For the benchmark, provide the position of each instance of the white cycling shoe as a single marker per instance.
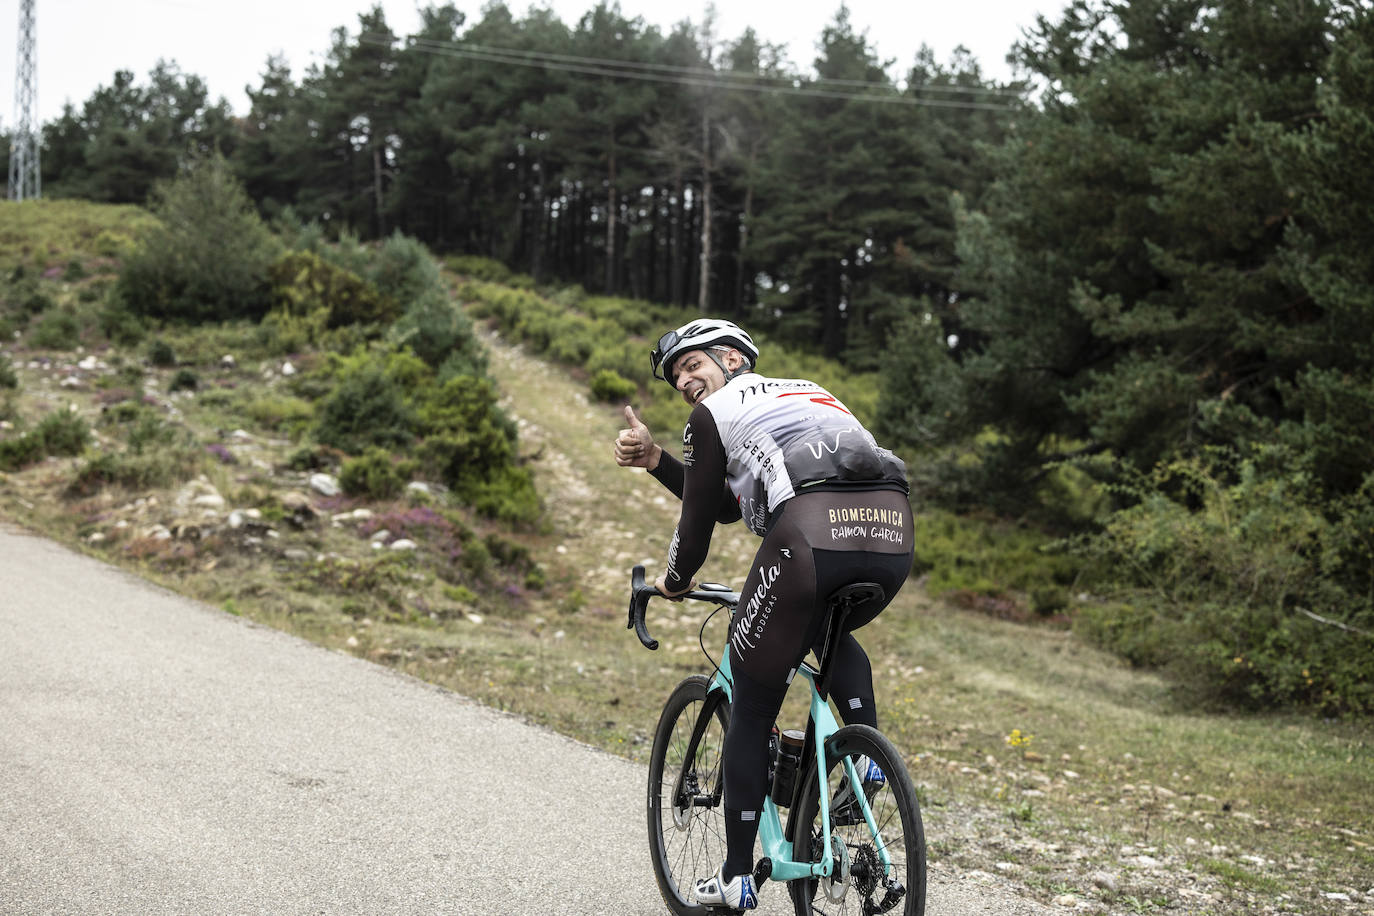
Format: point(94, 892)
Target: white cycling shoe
point(739, 893)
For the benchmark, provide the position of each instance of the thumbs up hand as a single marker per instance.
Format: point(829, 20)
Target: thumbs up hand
point(634, 447)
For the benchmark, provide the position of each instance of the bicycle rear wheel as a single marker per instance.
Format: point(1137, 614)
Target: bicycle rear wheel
point(860, 885)
point(686, 785)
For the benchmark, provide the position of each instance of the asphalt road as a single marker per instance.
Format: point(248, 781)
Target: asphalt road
point(160, 756)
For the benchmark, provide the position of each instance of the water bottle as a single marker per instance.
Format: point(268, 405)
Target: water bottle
point(789, 758)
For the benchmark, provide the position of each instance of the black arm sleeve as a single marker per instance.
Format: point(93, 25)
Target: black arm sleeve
point(670, 473)
point(703, 482)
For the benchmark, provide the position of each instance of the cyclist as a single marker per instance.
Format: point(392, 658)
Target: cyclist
point(831, 506)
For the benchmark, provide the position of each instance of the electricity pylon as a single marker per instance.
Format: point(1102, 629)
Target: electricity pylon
point(25, 178)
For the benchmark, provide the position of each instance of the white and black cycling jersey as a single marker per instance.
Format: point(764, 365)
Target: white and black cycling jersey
point(783, 435)
point(766, 440)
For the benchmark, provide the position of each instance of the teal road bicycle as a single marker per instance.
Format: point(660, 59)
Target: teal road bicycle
point(841, 852)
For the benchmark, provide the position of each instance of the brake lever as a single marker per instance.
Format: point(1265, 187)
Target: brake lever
point(640, 593)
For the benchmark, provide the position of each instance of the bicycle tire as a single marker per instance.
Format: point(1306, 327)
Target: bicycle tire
point(688, 842)
point(897, 813)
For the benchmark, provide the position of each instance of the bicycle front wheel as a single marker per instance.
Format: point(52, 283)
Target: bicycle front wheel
point(874, 871)
point(686, 786)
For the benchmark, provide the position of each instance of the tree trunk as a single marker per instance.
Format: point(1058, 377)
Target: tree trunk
point(377, 189)
point(704, 288)
point(611, 205)
point(675, 294)
point(742, 275)
point(832, 328)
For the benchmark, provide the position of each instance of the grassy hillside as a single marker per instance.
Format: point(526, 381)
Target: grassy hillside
point(1048, 764)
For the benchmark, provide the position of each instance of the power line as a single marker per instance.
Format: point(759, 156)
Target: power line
point(782, 80)
point(663, 73)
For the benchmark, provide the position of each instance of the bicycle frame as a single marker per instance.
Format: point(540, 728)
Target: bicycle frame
point(776, 847)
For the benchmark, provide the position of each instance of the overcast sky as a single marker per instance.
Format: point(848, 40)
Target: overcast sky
point(81, 43)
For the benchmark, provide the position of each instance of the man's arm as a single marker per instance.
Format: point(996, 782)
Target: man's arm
point(703, 480)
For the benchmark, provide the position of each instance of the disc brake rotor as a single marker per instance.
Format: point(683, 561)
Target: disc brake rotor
point(682, 800)
point(837, 885)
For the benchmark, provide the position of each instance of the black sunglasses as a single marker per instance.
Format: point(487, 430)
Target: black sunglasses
point(665, 345)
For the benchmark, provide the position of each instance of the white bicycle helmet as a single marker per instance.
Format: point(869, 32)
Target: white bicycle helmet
point(701, 334)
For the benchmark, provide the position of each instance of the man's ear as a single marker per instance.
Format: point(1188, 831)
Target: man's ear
point(734, 360)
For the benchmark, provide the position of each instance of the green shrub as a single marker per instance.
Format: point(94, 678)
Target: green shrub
point(366, 408)
point(972, 556)
point(160, 354)
point(478, 268)
point(57, 330)
point(59, 433)
point(207, 258)
point(629, 315)
point(33, 300)
point(508, 495)
point(460, 594)
point(112, 244)
point(609, 385)
point(312, 458)
point(441, 334)
point(627, 358)
point(19, 452)
point(163, 467)
point(304, 284)
point(1243, 581)
point(471, 445)
point(184, 380)
point(278, 413)
point(149, 433)
point(120, 325)
point(375, 474)
point(8, 377)
point(280, 332)
point(404, 271)
point(62, 432)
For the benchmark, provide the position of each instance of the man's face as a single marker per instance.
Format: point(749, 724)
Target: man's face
point(698, 375)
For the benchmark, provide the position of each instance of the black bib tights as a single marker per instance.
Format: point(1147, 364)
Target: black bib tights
point(822, 541)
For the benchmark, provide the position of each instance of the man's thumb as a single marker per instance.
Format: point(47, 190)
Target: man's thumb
point(630, 416)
